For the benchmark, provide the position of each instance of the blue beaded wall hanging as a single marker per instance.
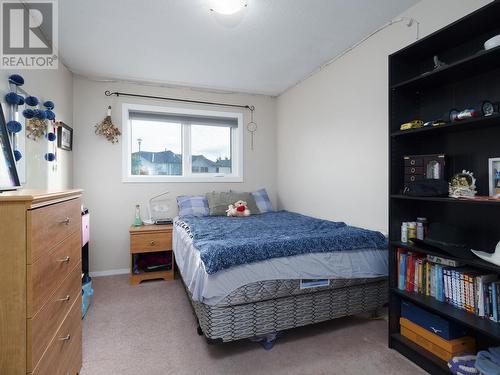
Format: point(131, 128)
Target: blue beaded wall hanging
point(39, 119)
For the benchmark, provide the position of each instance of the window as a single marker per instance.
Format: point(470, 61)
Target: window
point(168, 144)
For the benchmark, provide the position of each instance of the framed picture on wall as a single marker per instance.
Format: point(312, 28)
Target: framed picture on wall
point(64, 137)
point(494, 176)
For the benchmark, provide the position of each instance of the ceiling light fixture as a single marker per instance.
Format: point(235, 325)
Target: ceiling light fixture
point(228, 7)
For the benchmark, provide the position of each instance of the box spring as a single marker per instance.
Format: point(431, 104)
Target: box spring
point(277, 305)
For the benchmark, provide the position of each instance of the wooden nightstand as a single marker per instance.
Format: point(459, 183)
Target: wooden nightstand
point(150, 239)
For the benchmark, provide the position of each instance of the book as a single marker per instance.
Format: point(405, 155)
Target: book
point(482, 281)
point(444, 261)
point(494, 303)
point(402, 271)
point(446, 285)
point(465, 288)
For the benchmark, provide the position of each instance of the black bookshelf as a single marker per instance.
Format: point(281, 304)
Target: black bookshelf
point(417, 91)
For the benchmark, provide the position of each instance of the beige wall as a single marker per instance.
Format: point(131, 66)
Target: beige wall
point(332, 128)
point(55, 85)
point(98, 164)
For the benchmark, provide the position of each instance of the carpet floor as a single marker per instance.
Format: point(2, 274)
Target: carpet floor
point(150, 329)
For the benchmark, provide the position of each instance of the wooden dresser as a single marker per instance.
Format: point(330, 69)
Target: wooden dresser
point(40, 283)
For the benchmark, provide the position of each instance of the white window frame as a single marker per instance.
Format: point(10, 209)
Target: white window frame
point(187, 175)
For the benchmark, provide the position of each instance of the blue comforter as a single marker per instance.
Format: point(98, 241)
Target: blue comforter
point(225, 242)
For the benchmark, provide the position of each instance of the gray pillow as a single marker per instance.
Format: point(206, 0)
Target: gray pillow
point(218, 201)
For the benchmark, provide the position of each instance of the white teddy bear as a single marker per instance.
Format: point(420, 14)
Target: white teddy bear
point(238, 209)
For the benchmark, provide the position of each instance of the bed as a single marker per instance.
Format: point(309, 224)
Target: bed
point(264, 280)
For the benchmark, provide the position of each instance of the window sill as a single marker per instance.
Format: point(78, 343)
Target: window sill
point(180, 179)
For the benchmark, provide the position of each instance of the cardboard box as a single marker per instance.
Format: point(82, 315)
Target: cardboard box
point(444, 349)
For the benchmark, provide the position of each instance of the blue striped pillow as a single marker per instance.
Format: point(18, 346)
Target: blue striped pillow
point(263, 202)
point(192, 205)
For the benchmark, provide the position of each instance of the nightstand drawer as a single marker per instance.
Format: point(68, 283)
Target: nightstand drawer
point(149, 242)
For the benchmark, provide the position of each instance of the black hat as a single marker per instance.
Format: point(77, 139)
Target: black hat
point(447, 238)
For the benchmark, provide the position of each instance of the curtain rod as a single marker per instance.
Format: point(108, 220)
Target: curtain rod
point(117, 93)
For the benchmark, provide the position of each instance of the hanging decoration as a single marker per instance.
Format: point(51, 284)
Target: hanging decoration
point(252, 126)
point(14, 100)
point(38, 119)
point(51, 137)
point(107, 129)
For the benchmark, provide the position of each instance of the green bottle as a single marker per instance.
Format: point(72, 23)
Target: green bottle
point(137, 221)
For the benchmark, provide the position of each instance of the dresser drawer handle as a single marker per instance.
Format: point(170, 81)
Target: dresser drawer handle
point(65, 338)
point(413, 170)
point(64, 260)
point(66, 221)
point(65, 299)
point(152, 243)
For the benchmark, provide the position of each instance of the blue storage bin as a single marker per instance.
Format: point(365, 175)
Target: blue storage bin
point(87, 293)
point(434, 323)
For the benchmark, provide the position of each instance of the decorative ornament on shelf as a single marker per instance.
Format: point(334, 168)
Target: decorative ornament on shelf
point(438, 63)
point(463, 185)
point(107, 129)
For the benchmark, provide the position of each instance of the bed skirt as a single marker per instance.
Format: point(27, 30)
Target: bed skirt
point(229, 322)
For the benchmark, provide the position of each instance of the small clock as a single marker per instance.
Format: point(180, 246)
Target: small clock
point(487, 108)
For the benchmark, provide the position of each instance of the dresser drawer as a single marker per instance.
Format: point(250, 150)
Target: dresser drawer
point(65, 349)
point(51, 224)
point(46, 274)
point(43, 326)
point(148, 242)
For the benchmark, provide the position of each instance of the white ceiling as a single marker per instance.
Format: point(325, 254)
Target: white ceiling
point(266, 48)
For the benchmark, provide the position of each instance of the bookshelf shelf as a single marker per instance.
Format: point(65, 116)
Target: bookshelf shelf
point(471, 77)
point(482, 325)
point(465, 125)
point(419, 355)
point(483, 60)
point(448, 200)
point(476, 262)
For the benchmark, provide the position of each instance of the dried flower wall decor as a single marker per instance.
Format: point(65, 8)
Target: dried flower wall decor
point(36, 128)
point(107, 129)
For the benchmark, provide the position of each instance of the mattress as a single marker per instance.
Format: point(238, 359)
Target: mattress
point(269, 278)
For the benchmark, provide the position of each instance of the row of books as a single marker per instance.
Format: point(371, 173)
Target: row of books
point(448, 281)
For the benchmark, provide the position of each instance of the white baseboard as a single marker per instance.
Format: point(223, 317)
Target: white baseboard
point(120, 271)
